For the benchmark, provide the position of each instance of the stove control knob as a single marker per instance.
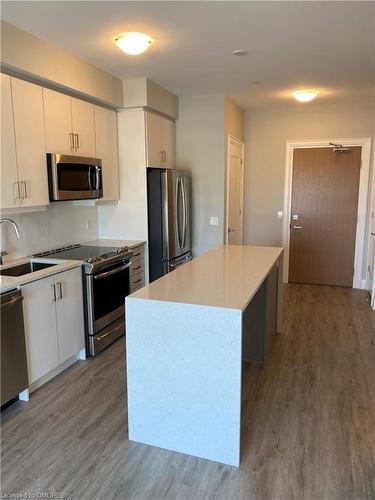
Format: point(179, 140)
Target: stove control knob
point(89, 260)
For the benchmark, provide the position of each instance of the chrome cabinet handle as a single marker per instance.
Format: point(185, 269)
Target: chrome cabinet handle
point(71, 138)
point(163, 156)
point(59, 287)
point(76, 137)
point(25, 189)
point(17, 183)
point(53, 298)
point(297, 227)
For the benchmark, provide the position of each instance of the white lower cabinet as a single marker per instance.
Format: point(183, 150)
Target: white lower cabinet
point(54, 324)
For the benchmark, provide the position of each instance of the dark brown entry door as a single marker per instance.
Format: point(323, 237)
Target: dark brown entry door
point(324, 216)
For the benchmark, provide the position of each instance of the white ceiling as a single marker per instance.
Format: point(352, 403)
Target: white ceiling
point(325, 45)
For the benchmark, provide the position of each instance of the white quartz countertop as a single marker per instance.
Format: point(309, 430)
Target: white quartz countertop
point(115, 243)
point(227, 276)
point(10, 282)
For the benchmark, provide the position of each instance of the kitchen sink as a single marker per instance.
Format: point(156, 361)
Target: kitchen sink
point(26, 268)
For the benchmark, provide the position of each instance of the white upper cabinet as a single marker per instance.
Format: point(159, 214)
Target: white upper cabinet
point(167, 141)
point(160, 133)
point(106, 150)
point(30, 142)
point(9, 175)
point(58, 122)
point(83, 128)
point(153, 140)
point(69, 125)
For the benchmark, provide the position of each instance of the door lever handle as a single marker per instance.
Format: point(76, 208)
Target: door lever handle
point(297, 227)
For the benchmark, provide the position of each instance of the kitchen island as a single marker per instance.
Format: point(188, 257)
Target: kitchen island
point(187, 335)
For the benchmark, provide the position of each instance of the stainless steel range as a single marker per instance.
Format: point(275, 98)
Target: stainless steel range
point(106, 284)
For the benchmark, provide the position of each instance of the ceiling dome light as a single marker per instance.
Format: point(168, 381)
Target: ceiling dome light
point(239, 52)
point(133, 43)
point(305, 95)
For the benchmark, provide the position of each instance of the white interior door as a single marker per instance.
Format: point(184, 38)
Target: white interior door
point(235, 179)
point(371, 260)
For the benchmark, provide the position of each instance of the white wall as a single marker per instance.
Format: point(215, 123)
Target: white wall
point(60, 224)
point(266, 133)
point(200, 149)
point(25, 54)
point(127, 219)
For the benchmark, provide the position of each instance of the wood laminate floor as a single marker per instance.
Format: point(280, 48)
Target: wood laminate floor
point(308, 421)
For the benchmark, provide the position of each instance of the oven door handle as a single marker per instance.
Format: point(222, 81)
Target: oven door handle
point(114, 271)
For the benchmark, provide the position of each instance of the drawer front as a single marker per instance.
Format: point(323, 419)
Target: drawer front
point(138, 253)
point(138, 266)
point(137, 280)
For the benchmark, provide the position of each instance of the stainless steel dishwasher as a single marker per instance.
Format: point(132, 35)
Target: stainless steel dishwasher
point(14, 376)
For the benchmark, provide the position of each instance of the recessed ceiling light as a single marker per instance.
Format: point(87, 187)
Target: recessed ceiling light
point(240, 52)
point(133, 43)
point(305, 95)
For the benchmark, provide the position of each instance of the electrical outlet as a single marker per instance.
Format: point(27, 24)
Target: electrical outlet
point(214, 221)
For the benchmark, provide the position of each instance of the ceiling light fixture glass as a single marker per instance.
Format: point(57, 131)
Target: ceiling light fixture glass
point(133, 43)
point(305, 95)
point(239, 52)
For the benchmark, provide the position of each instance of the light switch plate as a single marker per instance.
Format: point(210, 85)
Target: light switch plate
point(214, 221)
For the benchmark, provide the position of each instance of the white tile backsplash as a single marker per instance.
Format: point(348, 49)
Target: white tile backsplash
point(60, 224)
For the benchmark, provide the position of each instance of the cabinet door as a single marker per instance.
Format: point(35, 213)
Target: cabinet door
point(40, 328)
point(106, 150)
point(69, 311)
point(168, 140)
point(58, 122)
point(153, 140)
point(30, 142)
point(83, 128)
point(9, 175)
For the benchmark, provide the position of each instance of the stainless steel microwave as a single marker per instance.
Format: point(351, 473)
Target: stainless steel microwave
point(74, 177)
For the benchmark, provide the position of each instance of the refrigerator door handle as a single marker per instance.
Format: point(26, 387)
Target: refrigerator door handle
point(178, 193)
point(183, 188)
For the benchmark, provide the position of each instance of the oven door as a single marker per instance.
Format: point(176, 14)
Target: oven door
point(106, 291)
point(74, 177)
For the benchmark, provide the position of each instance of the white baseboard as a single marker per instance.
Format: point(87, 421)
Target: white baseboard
point(363, 284)
point(53, 373)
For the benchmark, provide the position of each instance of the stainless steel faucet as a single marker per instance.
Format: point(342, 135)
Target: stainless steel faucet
point(15, 227)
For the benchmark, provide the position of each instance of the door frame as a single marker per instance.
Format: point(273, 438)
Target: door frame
point(361, 240)
point(235, 142)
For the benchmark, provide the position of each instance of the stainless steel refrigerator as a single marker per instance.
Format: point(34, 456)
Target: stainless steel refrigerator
point(169, 220)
